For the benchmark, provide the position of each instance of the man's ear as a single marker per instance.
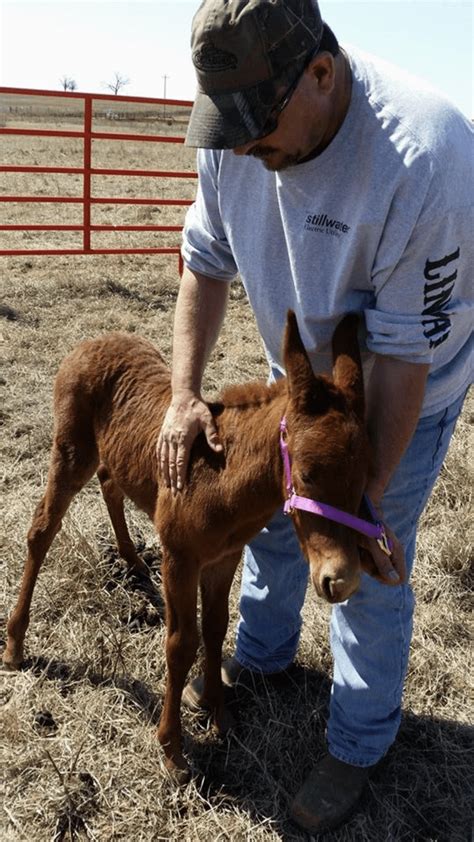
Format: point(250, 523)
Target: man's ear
point(322, 69)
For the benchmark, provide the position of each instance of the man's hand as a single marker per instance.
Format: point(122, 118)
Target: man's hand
point(185, 418)
point(388, 569)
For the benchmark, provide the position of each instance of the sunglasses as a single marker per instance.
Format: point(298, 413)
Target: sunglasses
point(272, 121)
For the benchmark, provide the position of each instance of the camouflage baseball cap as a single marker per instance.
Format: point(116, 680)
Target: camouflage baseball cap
point(246, 52)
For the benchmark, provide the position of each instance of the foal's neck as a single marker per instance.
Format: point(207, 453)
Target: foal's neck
point(248, 426)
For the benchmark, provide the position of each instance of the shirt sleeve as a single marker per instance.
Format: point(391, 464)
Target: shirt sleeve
point(421, 279)
point(205, 248)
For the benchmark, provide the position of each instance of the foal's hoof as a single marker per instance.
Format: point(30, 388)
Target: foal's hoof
point(179, 771)
point(11, 664)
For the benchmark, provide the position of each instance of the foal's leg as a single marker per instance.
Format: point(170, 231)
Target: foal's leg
point(72, 465)
point(114, 497)
point(216, 581)
point(180, 581)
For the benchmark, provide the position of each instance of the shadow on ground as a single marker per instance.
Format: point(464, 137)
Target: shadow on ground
point(421, 792)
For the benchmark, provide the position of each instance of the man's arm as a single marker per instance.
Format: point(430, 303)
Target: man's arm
point(395, 396)
point(200, 310)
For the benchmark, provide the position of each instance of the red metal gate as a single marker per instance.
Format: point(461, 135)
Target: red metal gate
point(87, 170)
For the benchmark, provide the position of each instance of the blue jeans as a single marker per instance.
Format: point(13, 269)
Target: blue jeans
point(370, 632)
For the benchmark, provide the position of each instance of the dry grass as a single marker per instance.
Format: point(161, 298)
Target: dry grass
point(79, 750)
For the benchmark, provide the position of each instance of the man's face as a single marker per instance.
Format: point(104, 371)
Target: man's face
point(305, 123)
point(278, 148)
point(262, 148)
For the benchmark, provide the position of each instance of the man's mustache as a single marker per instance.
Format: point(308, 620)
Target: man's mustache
point(260, 151)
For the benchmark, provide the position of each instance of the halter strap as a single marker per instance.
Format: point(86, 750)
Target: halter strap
point(374, 529)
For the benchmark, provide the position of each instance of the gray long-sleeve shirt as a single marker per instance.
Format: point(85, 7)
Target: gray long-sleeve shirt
point(380, 223)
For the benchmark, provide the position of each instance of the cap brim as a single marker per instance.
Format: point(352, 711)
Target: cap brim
point(229, 120)
point(211, 127)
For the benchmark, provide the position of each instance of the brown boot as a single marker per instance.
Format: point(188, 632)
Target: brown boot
point(232, 673)
point(234, 677)
point(329, 794)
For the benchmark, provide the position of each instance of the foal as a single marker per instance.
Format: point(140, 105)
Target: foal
point(110, 398)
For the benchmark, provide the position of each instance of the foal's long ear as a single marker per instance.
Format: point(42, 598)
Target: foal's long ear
point(347, 365)
point(303, 386)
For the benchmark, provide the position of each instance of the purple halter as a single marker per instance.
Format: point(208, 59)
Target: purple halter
point(376, 529)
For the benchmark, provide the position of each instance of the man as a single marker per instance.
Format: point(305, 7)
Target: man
point(330, 183)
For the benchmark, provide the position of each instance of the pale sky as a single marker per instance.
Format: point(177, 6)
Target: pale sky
point(145, 41)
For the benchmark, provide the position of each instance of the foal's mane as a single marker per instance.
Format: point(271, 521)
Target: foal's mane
point(246, 395)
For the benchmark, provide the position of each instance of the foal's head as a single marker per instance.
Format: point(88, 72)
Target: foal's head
point(329, 451)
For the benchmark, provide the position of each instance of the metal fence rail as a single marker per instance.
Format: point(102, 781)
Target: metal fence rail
point(87, 171)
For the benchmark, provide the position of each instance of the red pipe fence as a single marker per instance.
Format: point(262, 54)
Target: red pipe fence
point(87, 171)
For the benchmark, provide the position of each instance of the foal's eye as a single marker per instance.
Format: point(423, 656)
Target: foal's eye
point(306, 479)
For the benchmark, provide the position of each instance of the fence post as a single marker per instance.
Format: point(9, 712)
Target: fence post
point(87, 172)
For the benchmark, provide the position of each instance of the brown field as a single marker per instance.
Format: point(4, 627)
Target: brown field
point(79, 752)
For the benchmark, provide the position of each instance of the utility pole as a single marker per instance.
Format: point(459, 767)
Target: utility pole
point(164, 93)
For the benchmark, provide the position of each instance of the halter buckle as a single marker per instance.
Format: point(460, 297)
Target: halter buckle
point(288, 509)
point(384, 542)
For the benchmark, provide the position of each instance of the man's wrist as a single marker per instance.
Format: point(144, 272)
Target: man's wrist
point(184, 393)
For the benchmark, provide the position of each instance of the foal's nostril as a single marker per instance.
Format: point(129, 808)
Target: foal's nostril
point(334, 589)
point(326, 586)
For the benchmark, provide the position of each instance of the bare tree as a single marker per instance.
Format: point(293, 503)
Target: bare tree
point(68, 84)
point(118, 83)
